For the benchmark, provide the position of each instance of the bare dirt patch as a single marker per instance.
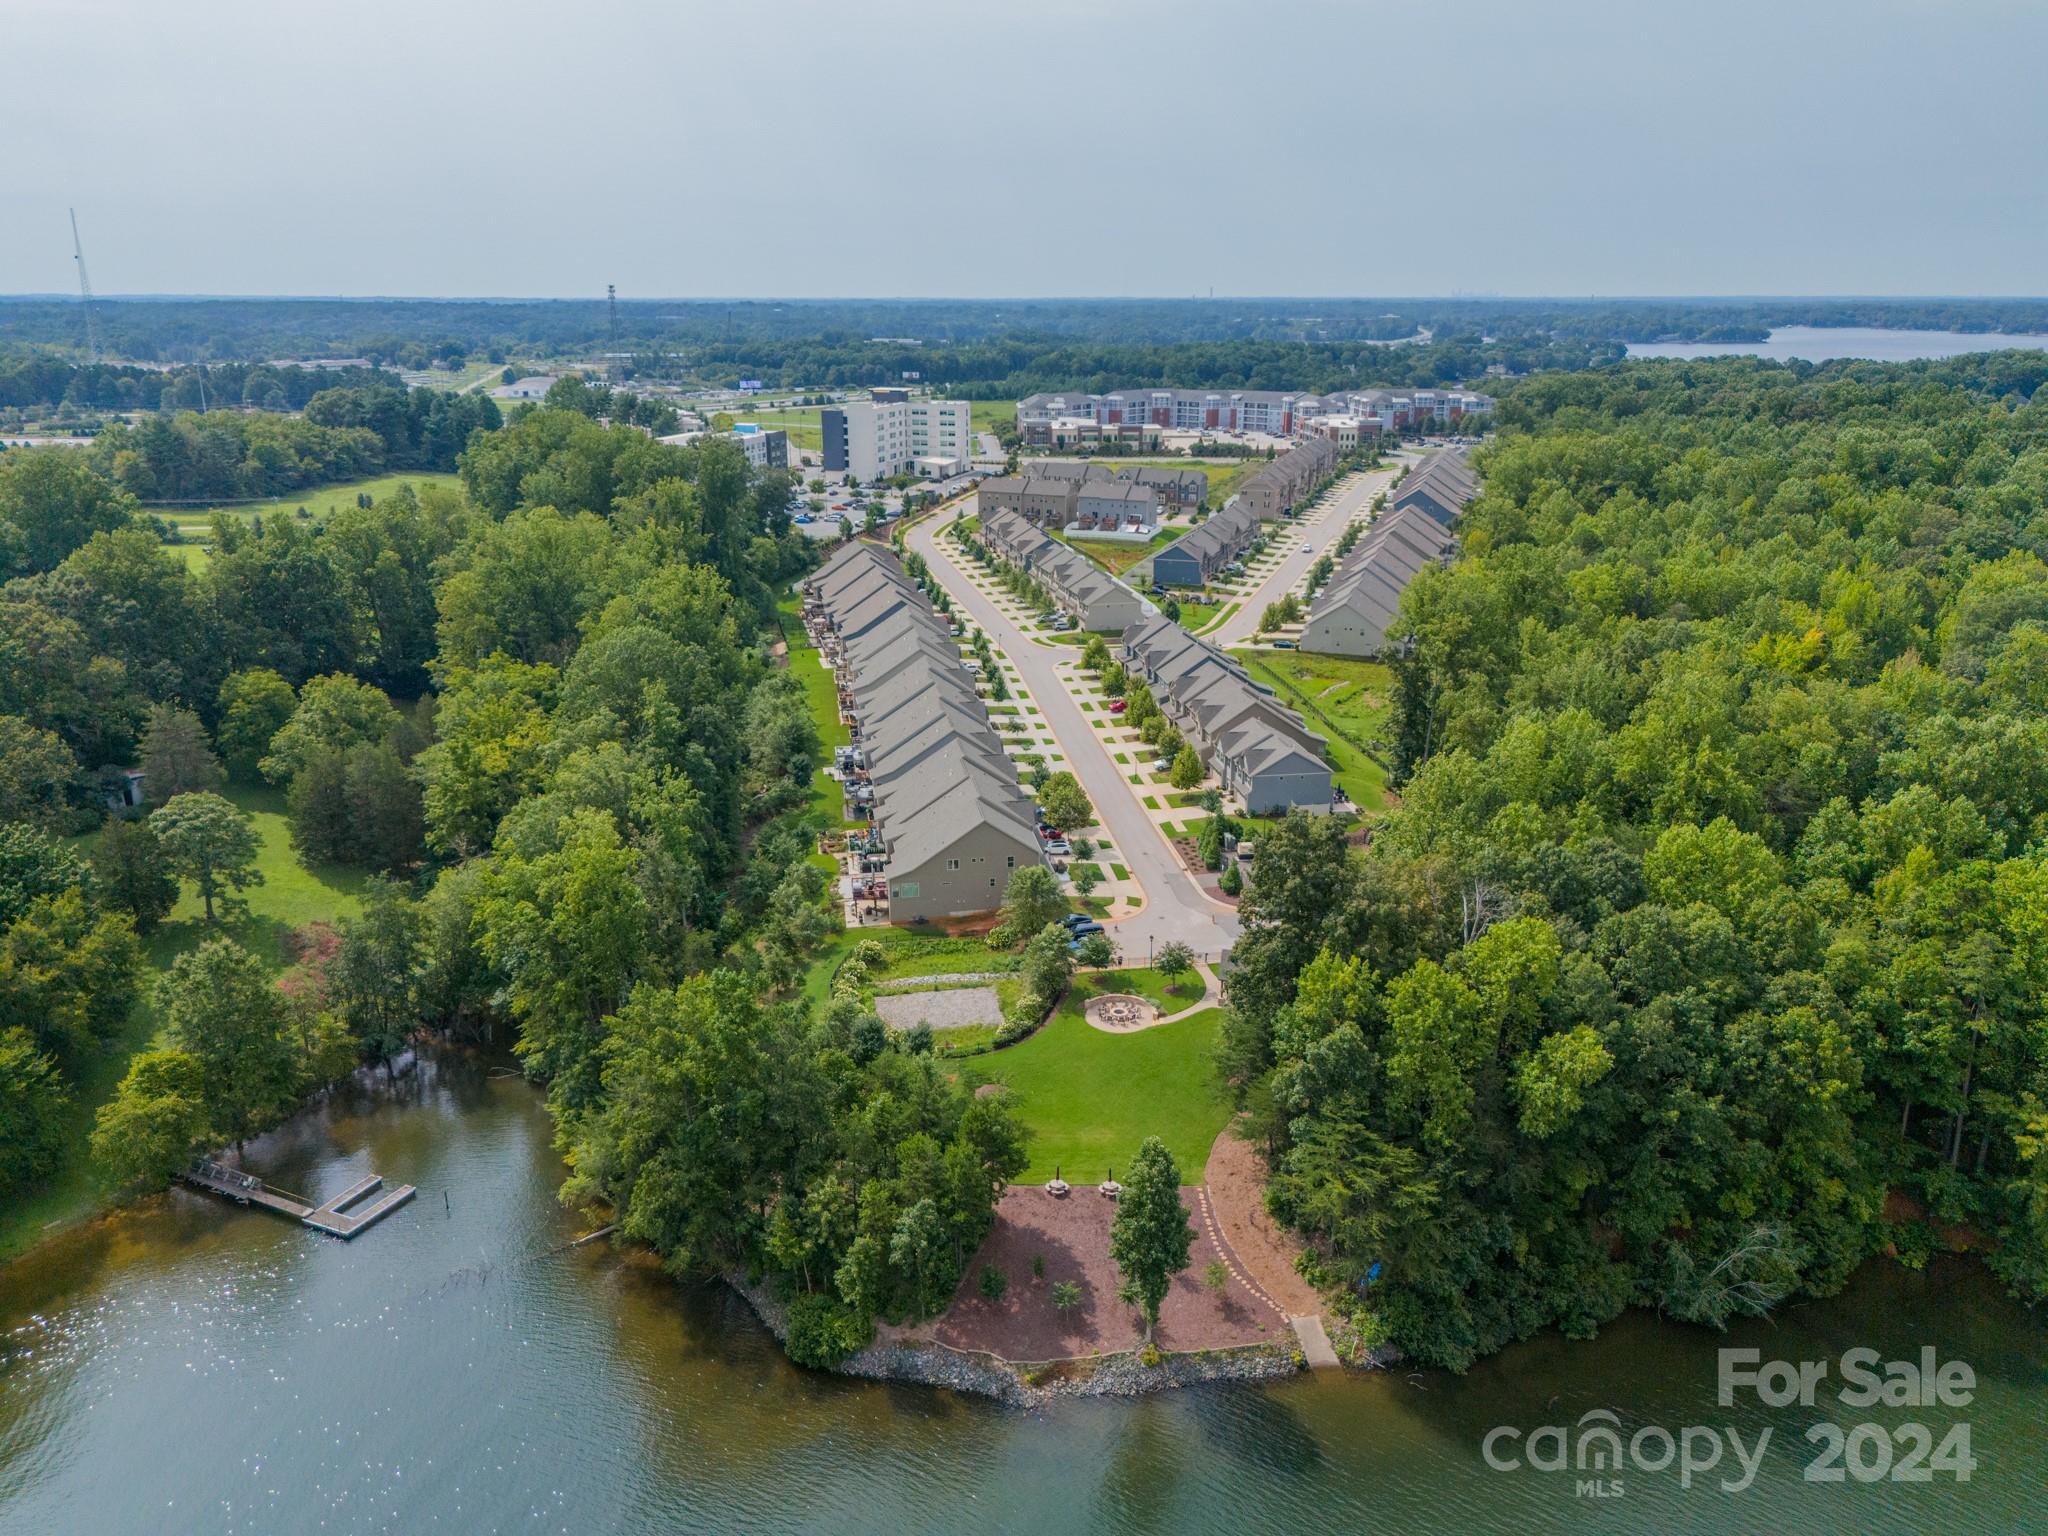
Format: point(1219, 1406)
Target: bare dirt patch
point(1072, 1236)
point(1236, 1181)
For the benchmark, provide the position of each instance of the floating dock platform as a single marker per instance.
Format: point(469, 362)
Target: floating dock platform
point(348, 1213)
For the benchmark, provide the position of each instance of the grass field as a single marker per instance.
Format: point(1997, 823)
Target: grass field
point(1339, 691)
point(800, 422)
point(194, 524)
point(291, 896)
point(990, 414)
point(1089, 1098)
point(1117, 555)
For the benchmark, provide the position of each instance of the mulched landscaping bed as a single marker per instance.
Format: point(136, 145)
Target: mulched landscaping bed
point(1073, 1236)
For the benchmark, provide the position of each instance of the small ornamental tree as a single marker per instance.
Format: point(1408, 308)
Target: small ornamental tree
point(1187, 769)
point(1150, 1238)
point(1173, 961)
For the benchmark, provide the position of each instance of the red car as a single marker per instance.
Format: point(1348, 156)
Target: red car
point(1118, 706)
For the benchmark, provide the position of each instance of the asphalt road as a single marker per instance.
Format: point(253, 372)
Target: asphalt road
point(1174, 907)
point(1321, 531)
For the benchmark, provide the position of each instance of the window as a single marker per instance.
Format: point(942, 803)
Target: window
point(1010, 862)
point(952, 863)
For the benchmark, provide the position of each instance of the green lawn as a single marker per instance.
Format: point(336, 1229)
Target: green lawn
point(1334, 693)
point(1118, 555)
point(1089, 1098)
point(821, 692)
point(1142, 981)
point(989, 414)
point(800, 422)
point(291, 896)
point(194, 523)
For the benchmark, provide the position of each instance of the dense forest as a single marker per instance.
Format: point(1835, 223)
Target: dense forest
point(1706, 954)
point(544, 712)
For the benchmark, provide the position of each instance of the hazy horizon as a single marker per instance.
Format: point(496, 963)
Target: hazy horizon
point(905, 147)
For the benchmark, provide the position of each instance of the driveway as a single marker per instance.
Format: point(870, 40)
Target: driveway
point(1321, 529)
point(1174, 907)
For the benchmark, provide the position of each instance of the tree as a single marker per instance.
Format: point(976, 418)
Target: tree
point(219, 1007)
point(1231, 882)
point(1151, 1236)
point(1173, 961)
point(1086, 878)
point(210, 843)
point(1187, 769)
point(33, 1105)
point(1097, 952)
point(1066, 1295)
point(176, 757)
point(131, 870)
point(37, 774)
point(1065, 802)
point(51, 502)
point(254, 706)
point(373, 982)
point(156, 1119)
point(1031, 900)
point(1049, 963)
point(335, 713)
point(493, 732)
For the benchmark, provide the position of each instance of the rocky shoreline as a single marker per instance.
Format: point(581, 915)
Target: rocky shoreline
point(1027, 1386)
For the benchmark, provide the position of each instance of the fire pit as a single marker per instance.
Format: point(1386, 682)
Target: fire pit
point(1119, 1013)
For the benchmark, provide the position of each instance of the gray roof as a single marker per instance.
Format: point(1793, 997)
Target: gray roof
point(936, 765)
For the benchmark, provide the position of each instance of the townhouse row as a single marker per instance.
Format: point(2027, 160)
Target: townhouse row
point(949, 821)
point(1079, 588)
point(1256, 746)
point(1269, 493)
point(1357, 611)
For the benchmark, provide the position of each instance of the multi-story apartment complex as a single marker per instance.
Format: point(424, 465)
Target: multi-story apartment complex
point(889, 435)
point(1279, 413)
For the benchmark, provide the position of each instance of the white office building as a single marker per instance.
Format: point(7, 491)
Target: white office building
point(877, 439)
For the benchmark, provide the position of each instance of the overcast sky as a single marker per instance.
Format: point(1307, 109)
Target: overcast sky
point(1026, 147)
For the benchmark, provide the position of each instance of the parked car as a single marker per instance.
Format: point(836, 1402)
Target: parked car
point(1118, 706)
point(1075, 919)
point(1081, 930)
point(1059, 848)
point(1283, 645)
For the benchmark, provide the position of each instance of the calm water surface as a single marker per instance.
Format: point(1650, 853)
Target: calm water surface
point(191, 1367)
point(1820, 343)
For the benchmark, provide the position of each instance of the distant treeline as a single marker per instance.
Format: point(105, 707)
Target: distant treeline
point(40, 377)
point(697, 333)
point(344, 434)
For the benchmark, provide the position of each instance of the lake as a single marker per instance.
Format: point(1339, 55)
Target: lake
point(188, 1366)
point(1819, 344)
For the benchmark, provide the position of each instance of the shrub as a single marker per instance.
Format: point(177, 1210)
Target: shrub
point(1066, 1295)
point(994, 1283)
point(824, 1330)
point(1232, 883)
point(1038, 1266)
point(1217, 1276)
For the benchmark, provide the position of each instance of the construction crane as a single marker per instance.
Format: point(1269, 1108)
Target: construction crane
point(92, 326)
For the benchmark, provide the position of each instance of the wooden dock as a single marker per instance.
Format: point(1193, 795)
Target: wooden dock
point(344, 1216)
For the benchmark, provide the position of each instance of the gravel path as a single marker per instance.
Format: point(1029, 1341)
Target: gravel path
point(956, 1008)
point(905, 983)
